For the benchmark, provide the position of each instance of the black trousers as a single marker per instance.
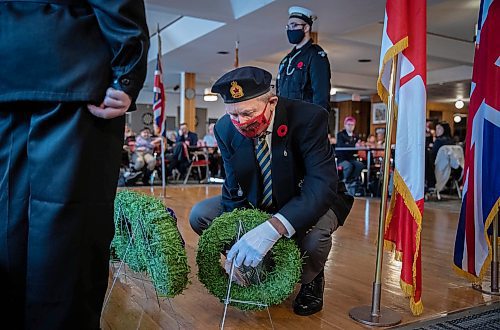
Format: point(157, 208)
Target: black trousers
point(59, 168)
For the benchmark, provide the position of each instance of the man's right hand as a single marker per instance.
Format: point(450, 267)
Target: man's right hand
point(115, 104)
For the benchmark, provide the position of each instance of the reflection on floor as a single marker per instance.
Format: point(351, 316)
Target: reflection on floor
point(349, 276)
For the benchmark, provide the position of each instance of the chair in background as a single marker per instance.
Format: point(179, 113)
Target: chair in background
point(448, 168)
point(199, 160)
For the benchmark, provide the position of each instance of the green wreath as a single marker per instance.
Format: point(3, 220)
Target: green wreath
point(156, 246)
point(279, 282)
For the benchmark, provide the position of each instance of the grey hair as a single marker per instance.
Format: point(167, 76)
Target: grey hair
point(265, 97)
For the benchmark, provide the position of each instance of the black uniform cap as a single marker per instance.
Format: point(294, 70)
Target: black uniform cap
point(243, 84)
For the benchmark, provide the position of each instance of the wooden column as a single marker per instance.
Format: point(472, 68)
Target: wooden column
point(189, 100)
point(314, 37)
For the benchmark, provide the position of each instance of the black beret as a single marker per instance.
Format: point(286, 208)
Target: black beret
point(243, 84)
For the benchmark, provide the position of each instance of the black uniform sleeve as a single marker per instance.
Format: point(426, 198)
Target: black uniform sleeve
point(320, 79)
point(123, 25)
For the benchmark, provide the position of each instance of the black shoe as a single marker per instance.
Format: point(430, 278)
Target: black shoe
point(310, 297)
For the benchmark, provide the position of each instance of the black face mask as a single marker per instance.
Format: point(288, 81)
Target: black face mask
point(295, 36)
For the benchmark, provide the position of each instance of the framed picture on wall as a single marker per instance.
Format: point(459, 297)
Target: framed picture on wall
point(378, 113)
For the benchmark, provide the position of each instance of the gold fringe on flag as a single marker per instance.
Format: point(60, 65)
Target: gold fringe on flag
point(401, 189)
point(489, 220)
point(389, 55)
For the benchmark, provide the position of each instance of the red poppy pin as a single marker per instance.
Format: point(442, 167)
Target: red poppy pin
point(282, 130)
point(300, 65)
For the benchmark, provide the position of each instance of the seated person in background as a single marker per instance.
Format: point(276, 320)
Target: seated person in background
point(127, 176)
point(144, 153)
point(429, 133)
point(129, 133)
point(128, 145)
point(179, 158)
point(209, 138)
point(371, 142)
point(443, 137)
point(380, 137)
point(346, 138)
point(213, 154)
point(186, 136)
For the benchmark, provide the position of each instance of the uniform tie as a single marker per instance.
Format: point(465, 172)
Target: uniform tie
point(264, 158)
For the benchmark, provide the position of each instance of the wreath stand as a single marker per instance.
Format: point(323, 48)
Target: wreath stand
point(228, 300)
point(142, 278)
point(137, 233)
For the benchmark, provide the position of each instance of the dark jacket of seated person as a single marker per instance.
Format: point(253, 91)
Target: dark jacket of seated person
point(443, 133)
point(345, 140)
point(187, 136)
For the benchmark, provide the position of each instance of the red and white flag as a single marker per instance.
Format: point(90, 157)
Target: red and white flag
point(404, 34)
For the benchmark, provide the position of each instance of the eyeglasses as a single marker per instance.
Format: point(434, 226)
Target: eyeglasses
point(293, 26)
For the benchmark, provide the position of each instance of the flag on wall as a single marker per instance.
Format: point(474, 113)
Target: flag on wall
point(404, 35)
point(481, 194)
point(159, 98)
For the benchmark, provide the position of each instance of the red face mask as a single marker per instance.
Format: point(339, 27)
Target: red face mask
point(252, 127)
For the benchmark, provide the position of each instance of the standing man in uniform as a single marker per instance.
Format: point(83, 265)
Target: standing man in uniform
point(69, 71)
point(304, 74)
point(277, 158)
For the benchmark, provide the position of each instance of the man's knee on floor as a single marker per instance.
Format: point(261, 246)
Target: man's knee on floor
point(195, 218)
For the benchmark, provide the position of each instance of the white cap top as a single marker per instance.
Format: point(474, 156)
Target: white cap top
point(300, 10)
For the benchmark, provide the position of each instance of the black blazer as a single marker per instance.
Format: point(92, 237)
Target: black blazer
point(71, 50)
point(192, 138)
point(303, 165)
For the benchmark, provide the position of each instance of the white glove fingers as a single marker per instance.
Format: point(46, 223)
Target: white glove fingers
point(233, 251)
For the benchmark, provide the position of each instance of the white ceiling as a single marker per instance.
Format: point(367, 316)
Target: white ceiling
point(193, 31)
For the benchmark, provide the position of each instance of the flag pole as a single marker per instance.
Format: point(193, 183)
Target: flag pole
point(494, 261)
point(163, 172)
point(375, 315)
point(494, 290)
point(236, 54)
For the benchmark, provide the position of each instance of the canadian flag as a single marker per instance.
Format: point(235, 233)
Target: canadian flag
point(404, 35)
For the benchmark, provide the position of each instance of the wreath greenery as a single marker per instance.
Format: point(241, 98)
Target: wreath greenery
point(156, 246)
point(279, 282)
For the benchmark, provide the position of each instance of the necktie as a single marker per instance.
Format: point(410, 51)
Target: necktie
point(264, 158)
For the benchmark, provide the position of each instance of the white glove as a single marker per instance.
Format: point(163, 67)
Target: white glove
point(254, 245)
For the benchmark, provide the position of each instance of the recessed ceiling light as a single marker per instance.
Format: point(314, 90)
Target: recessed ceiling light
point(223, 52)
point(364, 60)
point(459, 104)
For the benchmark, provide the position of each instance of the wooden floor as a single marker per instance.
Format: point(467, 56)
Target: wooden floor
point(349, 276)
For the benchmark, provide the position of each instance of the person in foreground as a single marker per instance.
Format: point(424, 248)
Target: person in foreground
point(67, 78)
point(277, 158)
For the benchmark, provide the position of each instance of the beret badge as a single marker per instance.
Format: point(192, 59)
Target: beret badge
point(236, 90)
